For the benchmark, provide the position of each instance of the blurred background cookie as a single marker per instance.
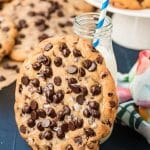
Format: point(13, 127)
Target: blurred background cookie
point(8, 72)
point(37, 20)
point(8, 34)
point(131, 4)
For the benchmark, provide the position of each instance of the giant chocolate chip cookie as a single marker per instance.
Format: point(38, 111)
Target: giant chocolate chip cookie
point(65, 96)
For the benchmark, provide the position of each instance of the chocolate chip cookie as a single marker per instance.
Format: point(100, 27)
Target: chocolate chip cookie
point(65, 96)
point(8, 72)
point(7, 36)
point(4, 1)
point(40, 19)
point(131, 4)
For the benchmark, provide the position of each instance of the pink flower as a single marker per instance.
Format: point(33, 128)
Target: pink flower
point(143, 61)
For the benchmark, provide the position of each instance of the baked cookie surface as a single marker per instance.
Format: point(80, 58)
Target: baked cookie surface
point(40, 19)
point(65, 96)
point(131, 4)
point(8, 34)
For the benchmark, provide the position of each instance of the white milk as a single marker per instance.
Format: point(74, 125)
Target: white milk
point(109, 59)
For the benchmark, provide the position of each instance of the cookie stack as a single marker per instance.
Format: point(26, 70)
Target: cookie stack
point(24, 23)
point(65, 96)
point(131, 4)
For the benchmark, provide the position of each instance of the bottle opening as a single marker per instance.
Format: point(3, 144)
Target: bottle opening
point(85, 26)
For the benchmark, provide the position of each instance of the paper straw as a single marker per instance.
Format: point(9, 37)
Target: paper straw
point(103, 7)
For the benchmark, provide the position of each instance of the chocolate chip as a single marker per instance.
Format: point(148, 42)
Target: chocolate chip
point(93, 105)
point(110, 94)
point(104, 75)
point(67, 110)
point(39, 22)
point(46, 73)
point(89, 132)
point(23, 129)
point(25, 80)
point(77, 53)
point(78, 122)
point(2, 78)
point(34, 105)
point(31, 123)
point(53, 124)
point(75, 88)
point(60, 115)
point(87, 63)
point(43, 27)
point(65, 50)
point(82, 72)
point(112, 104)
point(41, 113)
point(84, 90)
point(46, 123)
point(95, 90)
point(5, 29)
point(60, 13)
point(93, 67)
point(95, 113)
point(69, 147)
point(53, 7)
point(99, 59)
point(35, 82)
point(39, 90)
point(34, 115)
point(41, 136)
point(107, 122)
point(69, 24)
point(58, 61)
point(58, 96)
point(57, 81)
point(48, 47)
point(22, 24)
point(48, 135)
point(51, 112)
point(49, 90)
point(60, 134)
point(26, 109)
point(43, 37)
point(31, 13)
point(20, 88)
point(78, 140)
point(41, 13)
point(72, 81)
point(72, 69)
point(64, 127)
point(36, 66)
point(17, 41)
point(86, 113)
point(44, 60)
point(80, 99)
point(39, 126)
point(71, 125)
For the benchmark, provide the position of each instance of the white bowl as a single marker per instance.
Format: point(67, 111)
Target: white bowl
point(131, 28)
point(131, 32)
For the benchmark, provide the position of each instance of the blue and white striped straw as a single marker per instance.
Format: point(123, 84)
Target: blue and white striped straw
point(103, 8)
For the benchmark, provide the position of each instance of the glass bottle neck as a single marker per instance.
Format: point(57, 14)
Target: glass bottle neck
point(85, 27)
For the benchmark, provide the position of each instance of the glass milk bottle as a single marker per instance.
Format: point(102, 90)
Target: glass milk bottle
point(85, 27)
